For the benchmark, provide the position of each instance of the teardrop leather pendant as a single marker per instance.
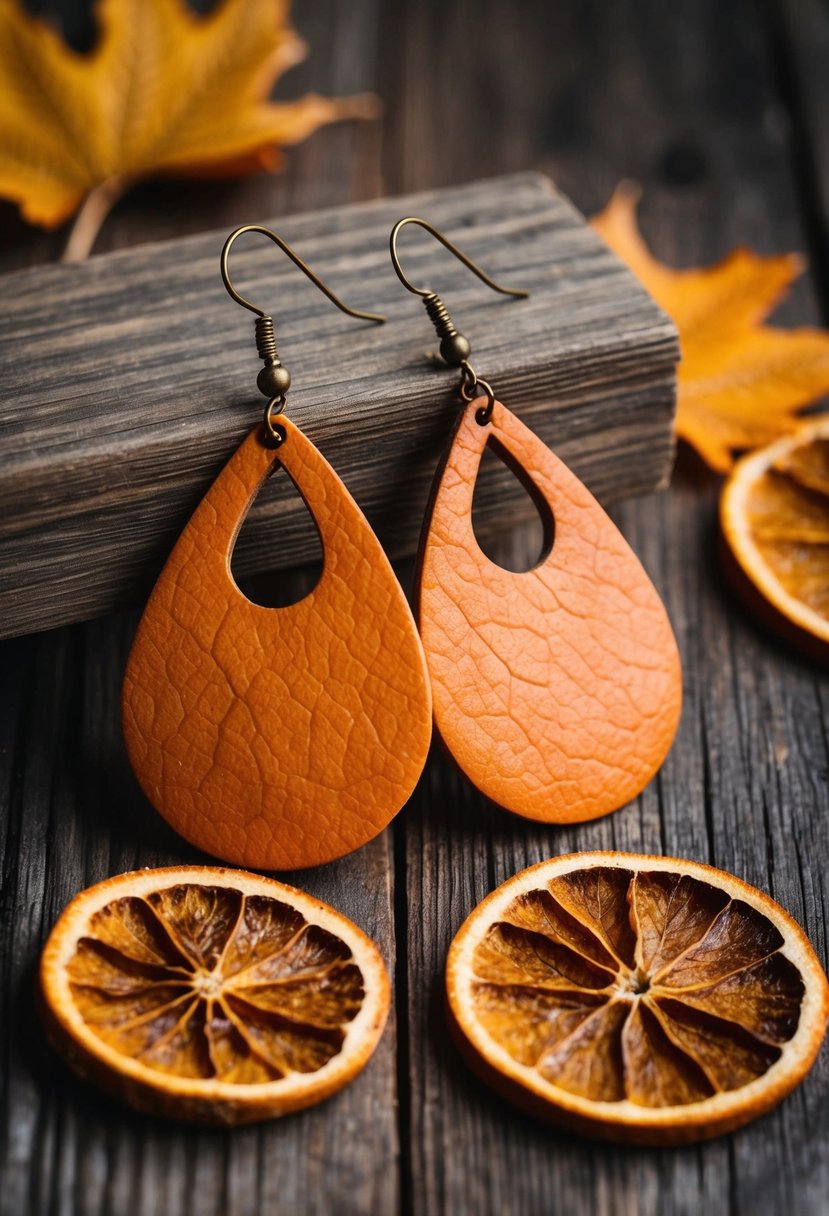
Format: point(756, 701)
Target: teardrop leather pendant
point(557, 690)
point(277, 737)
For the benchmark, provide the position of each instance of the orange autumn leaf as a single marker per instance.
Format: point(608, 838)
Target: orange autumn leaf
point(741, 383)
point(165, 91)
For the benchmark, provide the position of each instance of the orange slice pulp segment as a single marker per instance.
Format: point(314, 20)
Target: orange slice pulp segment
point(636, 998)
point(210, 994)
point(774, 518)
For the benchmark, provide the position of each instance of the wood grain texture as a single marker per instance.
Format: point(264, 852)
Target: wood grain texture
point(77, 816)
point(72, 814)
point(801, 44)
point(744, 787)
point(129, 380)
point(687, 98)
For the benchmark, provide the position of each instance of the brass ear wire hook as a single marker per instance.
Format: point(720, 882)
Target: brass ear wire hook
point(298, 262)
point(454, 347)
point(274, 380)
point(424, 292)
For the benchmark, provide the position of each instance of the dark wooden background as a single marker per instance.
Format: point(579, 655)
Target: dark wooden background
point(719, 109)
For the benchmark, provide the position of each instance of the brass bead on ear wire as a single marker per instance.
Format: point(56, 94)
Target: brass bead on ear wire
point(455, 349)
point(274, 380)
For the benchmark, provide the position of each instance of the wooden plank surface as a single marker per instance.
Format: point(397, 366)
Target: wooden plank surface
point(744, 786)
point(72, 815)
point(687, 98)
point(801, 43)
point(146, 384)
point(75, 817)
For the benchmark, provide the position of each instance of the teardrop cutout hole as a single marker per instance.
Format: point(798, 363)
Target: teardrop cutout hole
point(525, 545)
point(281, 531)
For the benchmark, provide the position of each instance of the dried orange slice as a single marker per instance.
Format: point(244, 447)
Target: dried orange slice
point(774, 517)
point(210, 994)
point(635, 998)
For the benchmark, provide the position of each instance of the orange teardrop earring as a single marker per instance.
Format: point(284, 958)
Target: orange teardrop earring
point(285, 737)
point(557, 690)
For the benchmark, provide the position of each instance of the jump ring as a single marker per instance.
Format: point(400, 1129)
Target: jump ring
point(469, 380)
point(471, 387)
point(276, 433)
point(484, 414)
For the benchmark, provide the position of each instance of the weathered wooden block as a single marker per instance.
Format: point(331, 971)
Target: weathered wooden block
point(128, 381)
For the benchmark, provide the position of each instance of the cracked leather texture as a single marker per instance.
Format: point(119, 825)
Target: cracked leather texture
point(277, 738)
point(557, 690)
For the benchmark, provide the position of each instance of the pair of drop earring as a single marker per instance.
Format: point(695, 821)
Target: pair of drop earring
point(279, 738)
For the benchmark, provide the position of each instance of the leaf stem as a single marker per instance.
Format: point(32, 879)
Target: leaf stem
point(90, 218)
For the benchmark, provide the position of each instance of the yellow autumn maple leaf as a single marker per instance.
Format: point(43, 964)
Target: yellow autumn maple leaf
point(164, 91)
point(740, 383)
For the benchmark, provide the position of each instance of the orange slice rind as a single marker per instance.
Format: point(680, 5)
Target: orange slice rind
point(633, 998)
point(211, 995)
point(774, 521)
